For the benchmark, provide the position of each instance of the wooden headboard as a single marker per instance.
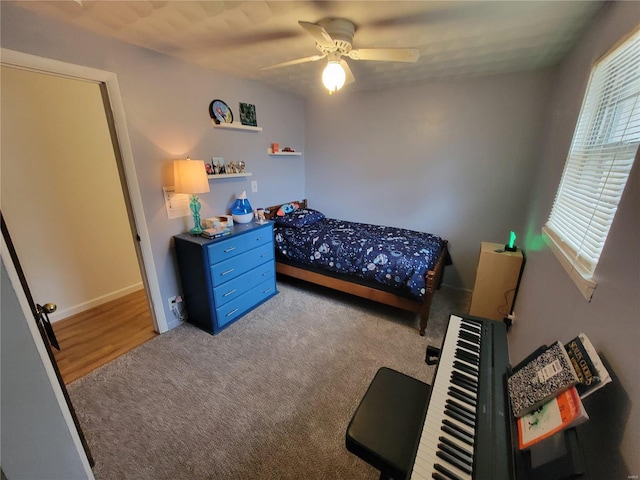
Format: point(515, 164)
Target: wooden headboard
point(270, 212)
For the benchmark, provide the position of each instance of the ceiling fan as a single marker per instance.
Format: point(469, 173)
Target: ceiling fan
point(334, 39)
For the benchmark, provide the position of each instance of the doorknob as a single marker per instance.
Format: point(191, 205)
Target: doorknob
point(48, 307)
point(43, 312)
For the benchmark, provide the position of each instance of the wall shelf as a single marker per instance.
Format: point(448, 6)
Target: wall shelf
point(228, 175)
point(283, 154)
point(237, 126)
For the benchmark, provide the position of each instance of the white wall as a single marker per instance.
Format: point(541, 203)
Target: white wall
point(549, 306)
point(61, 193)
point(454, 158)
point(166, 104)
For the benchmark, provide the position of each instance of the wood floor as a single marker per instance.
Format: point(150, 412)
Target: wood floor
point(97, 336)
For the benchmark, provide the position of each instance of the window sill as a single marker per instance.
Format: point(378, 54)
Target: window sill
point(585, 285)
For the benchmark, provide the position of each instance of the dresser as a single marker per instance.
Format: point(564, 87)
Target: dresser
point(224, 278)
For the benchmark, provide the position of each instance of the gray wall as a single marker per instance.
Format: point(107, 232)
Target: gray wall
point(549, 306)
point(166, 105)
point(454, 158)
point(476, 144)
point(29, 405)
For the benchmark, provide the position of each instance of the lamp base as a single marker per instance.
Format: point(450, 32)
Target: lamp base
point(196, 230)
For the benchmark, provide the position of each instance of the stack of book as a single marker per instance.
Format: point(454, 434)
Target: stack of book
point(216, 232)
point(546, 391)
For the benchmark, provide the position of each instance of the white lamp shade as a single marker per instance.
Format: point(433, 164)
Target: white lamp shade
point(333, 76)
point(190, 176)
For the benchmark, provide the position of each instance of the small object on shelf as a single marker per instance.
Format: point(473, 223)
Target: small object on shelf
point(241, 166)
point(275, 147)
point(248, 114)
point(220, 112)
point(288, 150)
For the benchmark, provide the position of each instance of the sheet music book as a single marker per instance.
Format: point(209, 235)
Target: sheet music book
point(564, 411)
point(592, 374)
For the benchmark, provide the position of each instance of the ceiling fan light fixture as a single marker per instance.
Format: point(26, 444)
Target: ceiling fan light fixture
point(333, 76)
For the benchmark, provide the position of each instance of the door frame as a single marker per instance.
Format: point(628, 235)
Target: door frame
point(12, 58)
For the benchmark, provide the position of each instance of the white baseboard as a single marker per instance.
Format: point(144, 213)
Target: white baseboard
point(81, 307)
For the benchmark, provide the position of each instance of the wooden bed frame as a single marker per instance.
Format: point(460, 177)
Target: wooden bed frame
point(433, 280)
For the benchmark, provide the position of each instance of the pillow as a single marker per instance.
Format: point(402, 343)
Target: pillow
point(287, 208)
point(299, 218)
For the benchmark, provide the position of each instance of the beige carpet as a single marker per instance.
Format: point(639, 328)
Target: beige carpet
point(268, 398)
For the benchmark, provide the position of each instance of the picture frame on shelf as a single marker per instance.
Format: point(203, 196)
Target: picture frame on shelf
point(220, 112)
point(248, 114)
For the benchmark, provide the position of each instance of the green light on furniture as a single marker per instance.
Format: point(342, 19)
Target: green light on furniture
point(511, 246)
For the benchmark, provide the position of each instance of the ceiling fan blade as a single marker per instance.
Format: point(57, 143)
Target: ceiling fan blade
point(312, 58)
point(350, 78)
point(319, 34)
point(385, 54)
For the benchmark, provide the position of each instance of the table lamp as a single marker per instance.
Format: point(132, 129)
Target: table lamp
point(190, 177)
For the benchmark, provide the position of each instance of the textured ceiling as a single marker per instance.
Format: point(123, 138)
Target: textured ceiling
point(454, 38)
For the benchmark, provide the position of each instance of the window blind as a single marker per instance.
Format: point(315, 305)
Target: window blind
point(600, 158)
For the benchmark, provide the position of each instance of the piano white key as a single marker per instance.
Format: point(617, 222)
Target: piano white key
point(428, 445)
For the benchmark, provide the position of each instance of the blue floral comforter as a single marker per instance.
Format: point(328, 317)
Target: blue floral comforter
point(394, 257)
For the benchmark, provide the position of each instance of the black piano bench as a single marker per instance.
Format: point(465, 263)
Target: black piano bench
point(387, 424)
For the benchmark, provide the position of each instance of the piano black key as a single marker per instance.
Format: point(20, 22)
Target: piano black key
point(437, 476)
point(463, 459)
point(468, 378)
point(463, 382)
point(450, 424)
point(466, 368)
point(461, 412)
point(453, 461)
point(469, 346)
point(444, 470)
point(454, 433)
point(467, 357)
point(454, 445)
point(456, 416)
point(464, 394)
point(460, 407)
point(462, 398)
point(471, 337)
point(471, 327)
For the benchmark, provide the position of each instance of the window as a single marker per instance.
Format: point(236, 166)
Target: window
point(602, 152)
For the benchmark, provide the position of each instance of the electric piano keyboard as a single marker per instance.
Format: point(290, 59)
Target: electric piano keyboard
point(466, 432)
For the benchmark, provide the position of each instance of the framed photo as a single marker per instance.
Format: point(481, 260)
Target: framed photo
point(248, 114)
point(220, 112)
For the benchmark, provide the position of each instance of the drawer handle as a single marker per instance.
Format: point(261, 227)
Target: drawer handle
point(267, 290)
point(259, 239)
point(264, 255)
point(230, 293)
point(230, 249)
point(227, 272)
point(231, 312)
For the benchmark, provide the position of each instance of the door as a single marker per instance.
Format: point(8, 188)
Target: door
point(40, 318)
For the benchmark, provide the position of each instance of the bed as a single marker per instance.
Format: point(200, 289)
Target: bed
point(397, 267)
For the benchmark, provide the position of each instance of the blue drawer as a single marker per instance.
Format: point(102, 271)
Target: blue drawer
point(259, 237)
point(223, 249)
point(229, 269)
point(234, 288)
point(246, 301)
